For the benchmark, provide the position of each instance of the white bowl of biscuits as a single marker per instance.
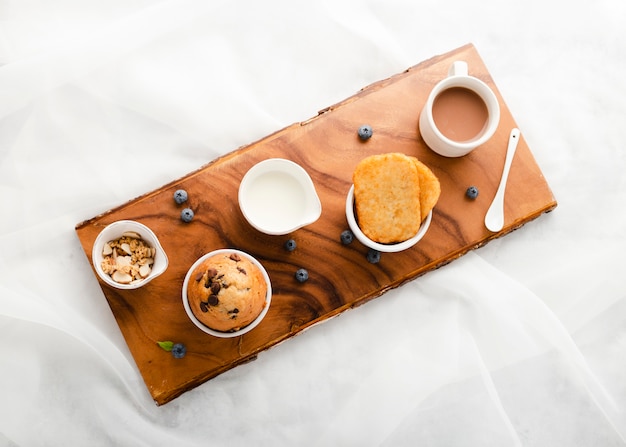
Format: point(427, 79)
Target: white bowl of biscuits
point(389, 205)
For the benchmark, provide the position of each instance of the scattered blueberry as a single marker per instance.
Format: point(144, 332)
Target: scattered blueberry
point(365, 132)
point(179, 350)
point(186, 215)
point(472, 192)
point(373, 256)
point(302, 275)
point(290, 245)
point(180, 196)
point(347, 236)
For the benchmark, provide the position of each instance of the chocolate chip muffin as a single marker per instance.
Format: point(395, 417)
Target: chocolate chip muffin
point(226, 292)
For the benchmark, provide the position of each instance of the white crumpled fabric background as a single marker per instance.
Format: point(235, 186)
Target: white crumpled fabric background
point(520, 343)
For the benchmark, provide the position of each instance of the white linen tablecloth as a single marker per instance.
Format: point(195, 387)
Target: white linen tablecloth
point(519, 343)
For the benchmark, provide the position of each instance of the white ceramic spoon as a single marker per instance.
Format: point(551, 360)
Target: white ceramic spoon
point(494, 219)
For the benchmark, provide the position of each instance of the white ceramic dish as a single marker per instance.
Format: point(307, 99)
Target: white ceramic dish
point(277, 196)
point(434, 138)
point(114, 231)
point(244, 330)
point(387, 248)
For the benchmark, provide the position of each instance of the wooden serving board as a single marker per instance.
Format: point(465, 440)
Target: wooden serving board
point(341, 278)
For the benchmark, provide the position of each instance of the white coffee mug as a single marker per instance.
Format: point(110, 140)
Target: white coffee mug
point(460, 114)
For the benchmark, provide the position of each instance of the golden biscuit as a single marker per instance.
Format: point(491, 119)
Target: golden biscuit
point(387, 197)
point(430, 189)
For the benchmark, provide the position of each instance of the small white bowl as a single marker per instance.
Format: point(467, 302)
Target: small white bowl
point(114, 231)
point(277, 196)
point(387, 248)
point(255, 322)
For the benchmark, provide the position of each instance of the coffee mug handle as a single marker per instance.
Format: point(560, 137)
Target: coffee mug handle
point(458, 68)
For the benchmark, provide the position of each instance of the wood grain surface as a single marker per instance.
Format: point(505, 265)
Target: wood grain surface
point(327, 146)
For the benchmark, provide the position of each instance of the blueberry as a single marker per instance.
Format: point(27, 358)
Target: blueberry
point(373, 256)
point(186, 215)
point(365, 132)
point(180, 196)
point(302, 275)
point(179, 351)
point(347, 236)
point(290, 245)
point(472, 192)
